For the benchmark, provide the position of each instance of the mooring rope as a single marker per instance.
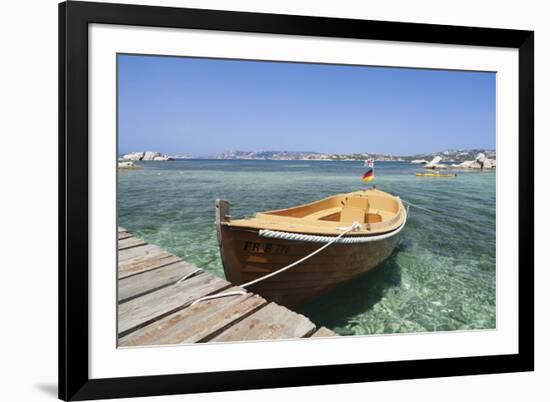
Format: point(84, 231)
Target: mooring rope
point(431, 211)
point(328, 240)
point(189, 275)
point(354, 226)
point(274, 234)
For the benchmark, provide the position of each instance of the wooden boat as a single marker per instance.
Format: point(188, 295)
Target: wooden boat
point(436, 174)
point(254, 247)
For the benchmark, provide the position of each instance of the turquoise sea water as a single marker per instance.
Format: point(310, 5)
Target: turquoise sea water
point(441, 277)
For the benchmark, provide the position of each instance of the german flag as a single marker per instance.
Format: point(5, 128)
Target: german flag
point(369, 175)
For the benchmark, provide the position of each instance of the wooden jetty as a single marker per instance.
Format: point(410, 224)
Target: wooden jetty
point(156, 290)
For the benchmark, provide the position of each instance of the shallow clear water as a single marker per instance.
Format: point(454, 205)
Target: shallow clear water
point(441, 277)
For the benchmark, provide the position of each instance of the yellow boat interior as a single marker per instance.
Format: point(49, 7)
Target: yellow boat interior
point(377, 211)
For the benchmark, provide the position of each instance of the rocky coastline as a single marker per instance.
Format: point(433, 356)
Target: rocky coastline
point(146, 156)
point(481, 162)
point(127, 161)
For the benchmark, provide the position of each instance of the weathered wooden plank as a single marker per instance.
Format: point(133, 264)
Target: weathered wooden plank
point(323, 332)
point(140, 251)
point(145, 263)
point(195, 324)
point(121, 229)
point(130, 242)
point(151, 280)
point(154, 303)
point(270, 322)
point(123, 235)
point(141, 311)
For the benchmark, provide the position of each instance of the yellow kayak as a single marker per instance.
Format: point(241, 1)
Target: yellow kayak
point(436, 174)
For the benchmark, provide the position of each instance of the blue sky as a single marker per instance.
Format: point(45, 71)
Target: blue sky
point(200, 107)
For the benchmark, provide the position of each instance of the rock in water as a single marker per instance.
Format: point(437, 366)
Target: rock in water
point(475, 164)
point(480, 158)
point(149, 156)
point(469, 165)
point(134, 156)
point(433, 163)
point(162, 158)
point(128, 165)
point(146, 156)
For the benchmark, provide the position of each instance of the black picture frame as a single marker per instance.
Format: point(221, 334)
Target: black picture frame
point(74, 18)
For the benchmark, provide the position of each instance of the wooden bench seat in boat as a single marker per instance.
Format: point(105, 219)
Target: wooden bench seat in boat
point(358, 215)
point(354, 210)
point(320, 215)
point(353, 214)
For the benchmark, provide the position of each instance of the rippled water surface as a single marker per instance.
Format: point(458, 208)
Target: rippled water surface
point(441, 277)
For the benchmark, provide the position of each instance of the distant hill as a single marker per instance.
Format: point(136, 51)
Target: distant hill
point(447, 155)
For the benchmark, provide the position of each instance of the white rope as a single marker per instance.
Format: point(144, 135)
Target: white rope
point(422, 208)
point(432, 211)
point(189, 275)
point(235, 293)
point(328, 239)
point(354, 226)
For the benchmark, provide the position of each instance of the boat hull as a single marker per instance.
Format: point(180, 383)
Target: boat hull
point(247, 256)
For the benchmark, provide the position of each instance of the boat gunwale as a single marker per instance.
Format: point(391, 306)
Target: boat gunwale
point(329, 228)
point(256, 231)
